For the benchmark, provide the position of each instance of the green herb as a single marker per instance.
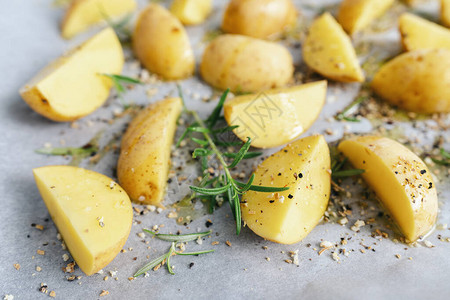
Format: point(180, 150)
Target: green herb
point(119, 81)
point(343, 115)
point(446, 158)
point(121, 26)
point(67, 150)
point(336, 168)
point(221, 183)
point(165, 258)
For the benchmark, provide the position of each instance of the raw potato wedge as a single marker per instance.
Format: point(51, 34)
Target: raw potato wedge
point(355, 15)
point(246, 64)
point(144, 160)
point(259, 18)
point(82, 14)
point(400, 179)
point(72, 86)
point(416, 81)
point(329, 51)
point(418, 33)
point(92, 213)
point(162, 45)
point(276, 117)
point(445, 12)
point(287, 217)
point(191, 12)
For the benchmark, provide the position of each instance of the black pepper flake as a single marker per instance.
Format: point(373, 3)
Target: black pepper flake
point(290, 196)
point(279, 174)
point(191, 265)
point(300, 175)
point(430, 185)
point(271, 201)
point(423, 171)
point(208, 223)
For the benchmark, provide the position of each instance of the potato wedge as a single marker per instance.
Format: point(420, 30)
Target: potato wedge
point(72, 86)
point(417, 81)
point(418, 33)
point(288, 217)
point(162, 45)
point(92, 213)
point(259, 18)
point(144, 160)
point(83, 14)
point(329, 51)
point(400, 179)
point(355, 15)
point(445, 12)
point(276, 117)
point(191, 12)
point(246, 64)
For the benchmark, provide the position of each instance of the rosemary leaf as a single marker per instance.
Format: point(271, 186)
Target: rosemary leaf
point(200, 152)
point(441, 162)
point(347, 173)
point(445, 154)
point(247, 155)
point(240, 155)
point(264, 189)
point(194, 253)
point(150, 265)
point(172, 250)
point(67, 151)
point(212, 119)
point(342, 115)
point(248, 185)
point(211, 191)
point(178, 238)
point(199, 141)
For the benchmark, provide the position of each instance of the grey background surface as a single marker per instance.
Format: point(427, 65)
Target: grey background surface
point(29, 40)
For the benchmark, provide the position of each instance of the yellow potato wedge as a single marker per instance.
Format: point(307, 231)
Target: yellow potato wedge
point(329, 51)
point(288, 217)
point(191, 12)
point(144, 160)
point(400, 179)
point(246, 64)
point(416, 81)
point(276, 117)
point(92, 213)
point(418, 33)
point(162, 45)
point(355, 15)
point(259, 18)
point(83, 14)
point(445, 12)
point(72, 86)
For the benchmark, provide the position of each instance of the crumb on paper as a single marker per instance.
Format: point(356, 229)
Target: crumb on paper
point(104, 293)
point(17, 266)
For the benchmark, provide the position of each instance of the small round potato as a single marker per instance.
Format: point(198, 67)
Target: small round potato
point(417, 81)
point(161, 43)
point(245, 64)
point(259, 18)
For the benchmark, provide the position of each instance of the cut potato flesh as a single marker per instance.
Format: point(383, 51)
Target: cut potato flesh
point(418, 33)
point(92, 213)
point(400, 179)
point(144, 160)
point(82, 14)
point(278, 116)
point(355, 15)
point(287, 217)
point(72, 86)
point(191, 12)
point(329, 51)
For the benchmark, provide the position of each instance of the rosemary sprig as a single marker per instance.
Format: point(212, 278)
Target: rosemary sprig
point(67, 150)
point(222, 184)
point(119, 81)
point(337, 165)
point(343, 115)
point(165, 258)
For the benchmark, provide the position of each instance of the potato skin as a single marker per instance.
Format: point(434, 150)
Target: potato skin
point(161, 43)
point(258, 18)
point(191, 12)
point(144, 160)
point(445, 12)
point(416, 81)
point(245, 64)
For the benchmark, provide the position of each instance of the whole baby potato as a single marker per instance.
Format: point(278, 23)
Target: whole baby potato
point(258, 18)
point(162, 45)
point(245, 64)
point(417, 81)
